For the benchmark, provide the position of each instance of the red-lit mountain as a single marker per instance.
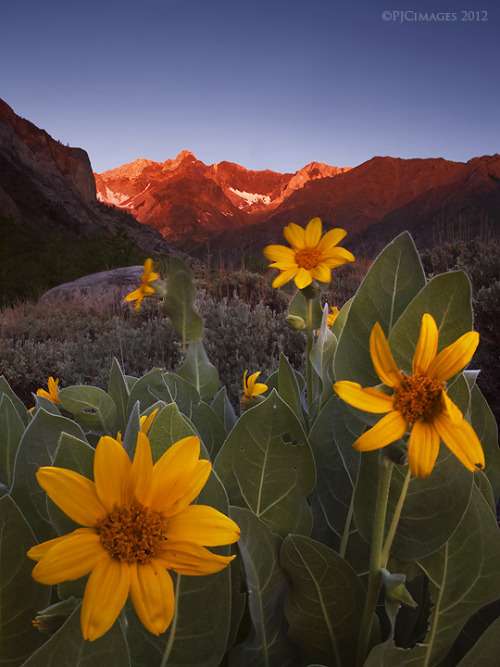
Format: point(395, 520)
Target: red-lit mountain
point(236, 210)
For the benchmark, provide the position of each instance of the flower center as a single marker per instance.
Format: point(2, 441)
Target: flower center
point(418, 397)
point(132, 533)
point(308, 258)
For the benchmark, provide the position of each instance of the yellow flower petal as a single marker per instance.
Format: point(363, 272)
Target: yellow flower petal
point(382, 358)
point(111, 473)
point(281, 255)
point(337, 257)
point(284, 277)
point(192, 559)
point(303, 278)
point(141, 471)
point(312, 233)
point(69, 559)
point(198, 480)
point(423, 448)
point(295, 236)
point(332, 238)
point(461, 440)
point(426, 346)
point(390, 428)
point(173, 472)
point(73, 493)
point(39, 550)
point(454, 412)
point(454, 358)
point(105, 594)
point(152, 594)
point(147, 421)
point(322, 273)
point(133, 296)
point(202, 524)
point(366, 398)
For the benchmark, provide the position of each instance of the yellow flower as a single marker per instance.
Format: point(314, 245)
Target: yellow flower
point(138, 523)
point(419, 402)
point(331, 317)
point(146, 422)
point(251, 389)
point(311, 256)
point(53, 389)
point(144, 289)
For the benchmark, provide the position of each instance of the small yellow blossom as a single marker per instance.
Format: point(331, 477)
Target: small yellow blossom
point(138, 522)
point(331, 317)
point(311, 257)
point(52, 392)
point(144, 289)
point(251, 389)
point(419, 402)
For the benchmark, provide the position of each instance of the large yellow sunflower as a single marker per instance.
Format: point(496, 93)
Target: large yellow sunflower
point(144, 289)
point(311, 256)
point(419, 402)
point(138, 522)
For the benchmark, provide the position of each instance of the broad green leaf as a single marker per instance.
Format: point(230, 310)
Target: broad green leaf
point(20, 595)
point(484, 424)
point(267, 643)
point(433, 507)
point(67, 648)
point(46, 404)
point(11, 430)
point(129, 438)
point(199, 630)
point(298, 307)
point(179, 302)
point(464, 576)
point(447, 297)
point(92, 407)
point(486, 650)
point(222, 407)
point(266, 465)
point(17, 403)
point(198, 370)
point(325, 604)
point(394, 279)
point(37, 448)
point(210, 428)
point(289, 387)
point(119, 392)
point(167, 387)
point(169, 427)
point(337, 463)
point(321, 358)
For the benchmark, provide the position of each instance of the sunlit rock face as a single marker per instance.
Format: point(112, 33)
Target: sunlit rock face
point(48, 186)
point(227, 210)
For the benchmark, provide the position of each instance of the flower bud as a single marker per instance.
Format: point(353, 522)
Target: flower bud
point(295, 323)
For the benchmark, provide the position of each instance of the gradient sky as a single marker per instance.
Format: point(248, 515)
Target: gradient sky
point(268, 84)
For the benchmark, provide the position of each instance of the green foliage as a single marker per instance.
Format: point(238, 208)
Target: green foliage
point(308, 505)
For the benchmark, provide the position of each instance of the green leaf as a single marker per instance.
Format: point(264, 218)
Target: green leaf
point(433, 506)
point(37, 448)
point(20, 595)
point(447, 297)
point(266, 465)
point(179, 302)
point(298, 308)
point(484, 424)
point(17, 403)
point(119, 392)
point(222, 407)
point(168, 387)
point(289, 387)
point(209, 427)
point(11, 430)
point(198, 370)
point(321, 358)
point(169, 427)
point(92, 407)
point(486, 649)
point(394, 279)
point(67, 648)
point(325, 604)
point(267, 643)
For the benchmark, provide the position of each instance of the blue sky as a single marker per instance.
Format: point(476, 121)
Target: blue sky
point(267, 84)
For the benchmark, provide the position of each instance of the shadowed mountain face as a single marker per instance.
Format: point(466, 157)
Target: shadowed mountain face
point(233, 211)
point(49, 187)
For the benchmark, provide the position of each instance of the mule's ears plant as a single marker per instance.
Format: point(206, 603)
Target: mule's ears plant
point(335, 543)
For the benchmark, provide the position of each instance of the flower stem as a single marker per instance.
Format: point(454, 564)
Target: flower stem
point(309, 332)
point(173, 625)
point(395, 520)
point(384, 483)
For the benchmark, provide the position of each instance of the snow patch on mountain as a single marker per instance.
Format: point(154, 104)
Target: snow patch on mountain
point(251, 197)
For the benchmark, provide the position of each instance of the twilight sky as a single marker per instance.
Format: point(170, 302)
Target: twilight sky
point(269, 84)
